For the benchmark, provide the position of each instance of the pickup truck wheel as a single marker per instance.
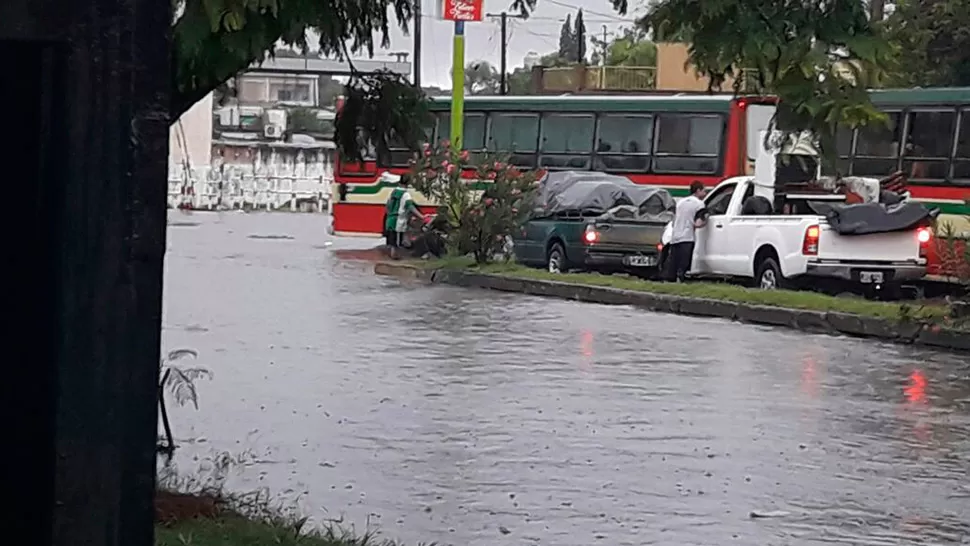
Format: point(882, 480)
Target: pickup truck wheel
point(556, 260)
point(768, 276)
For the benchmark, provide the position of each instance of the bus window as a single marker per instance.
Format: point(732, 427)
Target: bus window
point(623, 143)
point(758, 119)
point(929, 143)
point(567, 141)
point(516, 134)
point(877, 147)
point(473, 133)
point(688, 144)
point(961, 159)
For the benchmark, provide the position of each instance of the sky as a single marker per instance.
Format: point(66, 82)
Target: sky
point(539, 33)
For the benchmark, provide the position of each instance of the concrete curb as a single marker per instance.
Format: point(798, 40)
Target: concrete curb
point(809, 321)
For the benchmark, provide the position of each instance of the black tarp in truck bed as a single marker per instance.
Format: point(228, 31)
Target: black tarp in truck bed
point(866, 218)
point(596, 193)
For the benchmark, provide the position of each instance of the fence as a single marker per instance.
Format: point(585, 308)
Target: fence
point(234, 187)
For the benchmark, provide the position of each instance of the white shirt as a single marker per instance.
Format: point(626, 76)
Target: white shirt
point(683, 229)
point(403, 216)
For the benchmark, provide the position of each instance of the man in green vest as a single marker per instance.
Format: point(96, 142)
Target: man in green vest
point(398, 212)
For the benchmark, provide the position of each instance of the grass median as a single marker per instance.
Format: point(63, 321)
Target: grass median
point(936, 312)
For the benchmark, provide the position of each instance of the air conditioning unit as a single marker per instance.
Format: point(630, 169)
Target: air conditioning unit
point(272, 130)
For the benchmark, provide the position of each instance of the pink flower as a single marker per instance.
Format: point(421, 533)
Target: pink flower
point(499, 165)
point(444, 164)
point(426, 146)
point(464, 155)
point(445, 143)
point(489, 201)
point(515, 210)
point(427, 152)
point(450, 169)
point(490, 176)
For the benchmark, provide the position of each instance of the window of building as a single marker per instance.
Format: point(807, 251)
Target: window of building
point(623, 143)
point(515, 134)
point(567, 141)
point(291, 92)
point(929, 143)
point(473, 132)
point(877, 147)
point(961, 159)
point(688, 143)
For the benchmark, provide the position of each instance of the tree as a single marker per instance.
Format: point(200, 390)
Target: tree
point(819, 58)
point(933, 37)
point(216, 39)
point(566, 39)
point(481, 78)
point(579, 39)
point(632, 48)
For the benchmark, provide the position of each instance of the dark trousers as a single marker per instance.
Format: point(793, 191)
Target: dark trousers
point(680, 258)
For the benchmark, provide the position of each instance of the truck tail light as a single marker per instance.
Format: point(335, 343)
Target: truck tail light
point(810, 242)
point(924, 235)
point(591, 235)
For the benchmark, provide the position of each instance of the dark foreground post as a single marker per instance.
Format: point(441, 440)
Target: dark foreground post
point(84, 89)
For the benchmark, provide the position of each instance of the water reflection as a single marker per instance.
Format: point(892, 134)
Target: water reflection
point(445, 414)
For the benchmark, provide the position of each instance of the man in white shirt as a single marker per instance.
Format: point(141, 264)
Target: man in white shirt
point(686, 220)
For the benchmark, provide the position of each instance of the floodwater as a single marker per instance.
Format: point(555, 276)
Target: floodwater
point(476, 418)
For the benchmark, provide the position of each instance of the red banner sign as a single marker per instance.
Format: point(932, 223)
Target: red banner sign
point(461, 10)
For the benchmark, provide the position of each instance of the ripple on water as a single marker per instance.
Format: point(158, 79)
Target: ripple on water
point(479, 418)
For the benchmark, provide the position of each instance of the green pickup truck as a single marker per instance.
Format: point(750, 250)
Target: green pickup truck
point(595, 221)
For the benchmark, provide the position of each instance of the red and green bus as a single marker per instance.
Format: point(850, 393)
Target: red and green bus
point(672, 139)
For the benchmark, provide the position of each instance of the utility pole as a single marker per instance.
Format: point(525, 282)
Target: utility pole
point(503, 62)
point(605, 48)
point(416, 66)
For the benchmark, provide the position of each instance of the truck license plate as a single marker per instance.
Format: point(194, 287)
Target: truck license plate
point(640, 261)
point(870, 277)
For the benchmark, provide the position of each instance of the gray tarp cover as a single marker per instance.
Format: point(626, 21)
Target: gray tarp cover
point(867, 218)
point(596, 193)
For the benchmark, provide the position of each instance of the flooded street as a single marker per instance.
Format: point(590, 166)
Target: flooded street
point(477, 418)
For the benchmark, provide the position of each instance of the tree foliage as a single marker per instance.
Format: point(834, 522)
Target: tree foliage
point(216, 39)
point(566, 39)
point(934, 42)
point(578, 52)
point(818, 58)
point(631, 48)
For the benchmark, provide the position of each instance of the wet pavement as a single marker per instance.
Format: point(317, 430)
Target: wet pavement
point(476, 418)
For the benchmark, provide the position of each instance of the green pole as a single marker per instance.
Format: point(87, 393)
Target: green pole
point(458, 86)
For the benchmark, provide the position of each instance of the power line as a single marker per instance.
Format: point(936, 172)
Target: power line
point(585, 10)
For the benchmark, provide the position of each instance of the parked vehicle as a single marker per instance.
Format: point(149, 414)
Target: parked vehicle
point(784, 250)
point(594, 221)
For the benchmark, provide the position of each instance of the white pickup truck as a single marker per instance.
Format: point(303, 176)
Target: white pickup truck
point(778, 250)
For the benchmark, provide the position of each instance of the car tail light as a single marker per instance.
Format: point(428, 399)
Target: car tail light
point(591, 235)
point(660, 247)
point(810, 242)
point(924, 235)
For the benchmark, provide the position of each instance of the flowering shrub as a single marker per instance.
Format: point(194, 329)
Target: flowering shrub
point(953, 251)
point(479, 219)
